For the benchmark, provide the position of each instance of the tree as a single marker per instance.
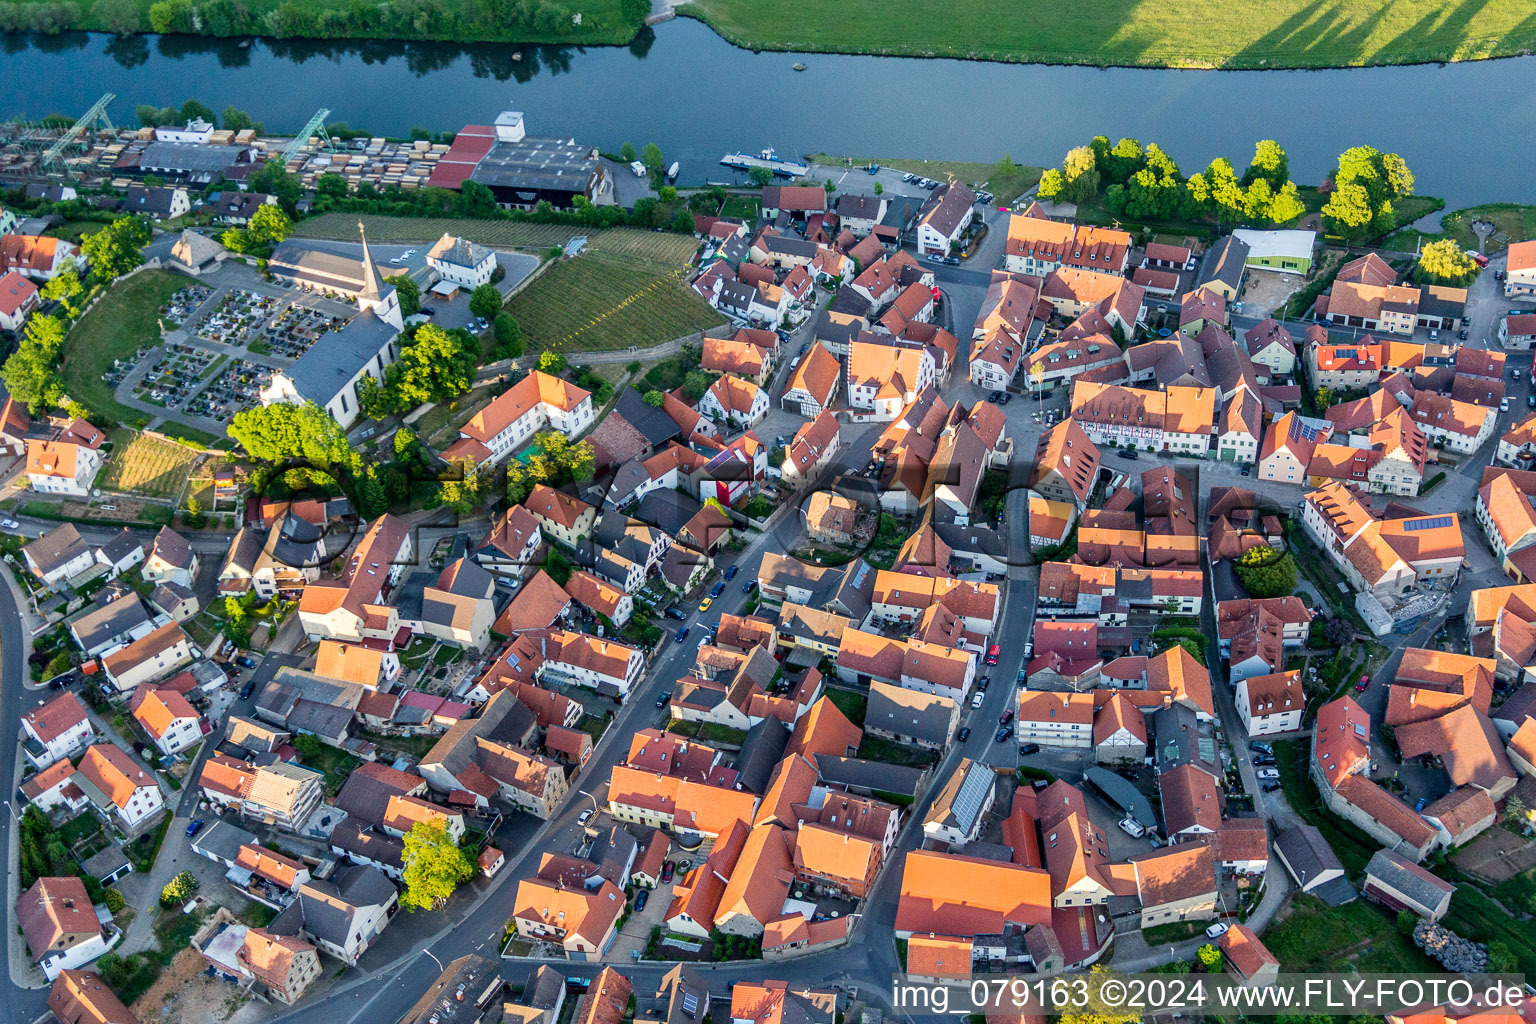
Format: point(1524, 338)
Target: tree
point(269, 225)
point(1227, 200)
point(557, 567)
point(274, 179)
point(1269, 164)
point(477, 201)
point(116, 248)
point(760, 176)
point(696, 382)
point(408, 292)
point(1257, 201)
point(652, 158)
point(518, 484)
point(437, 366)
point(655, 399)
point(1286, 207)
point(627, 152)
point(372, 399)
point(333, 186)
point(682, 222)
point(64, 289)
point(1348, 211)
point(552, 363)
point(179, 890)
point(485, 301)
point(114, 900)
point(1265, 572)
point(1052, 182)
point(1125, 159)
point(1444, 261)
point(1514, 810)
point(281, 431)
point(1099, 1011)
point(462, 490)
point(667, 193)
point(509, 336)
point(195, 516)
point(1210, 956)
point(434, 866)
point(879, 189)
point(1501, 959)
point(309, 747)
point(1081, 173)
point(1324, 398)
point(237, 120)
point(31, 374)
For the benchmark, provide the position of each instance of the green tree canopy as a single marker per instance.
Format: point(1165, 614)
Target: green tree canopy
point(1052, 182)
point(1366, 181)
point(652, 158)
point(65, 288)
point(277, 432)
point(269, 224)
point(31, 373)
point(434, 867)
point(1444, 261)
point(116, 248)
point(1348, 211)
point(408, 293)
point(653, 398)
point(1209, 954)
point(437, 366)
point(1269, 164)
point(1080, 172)
point(332, 185)
point(509, 336)
point(627, 152)
point(1266, 572)
point(552, 363)
point(485, 302)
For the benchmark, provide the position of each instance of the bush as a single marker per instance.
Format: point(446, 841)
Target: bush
point(114, 900)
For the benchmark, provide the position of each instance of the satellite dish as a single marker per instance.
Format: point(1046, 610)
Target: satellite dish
point(835, 913)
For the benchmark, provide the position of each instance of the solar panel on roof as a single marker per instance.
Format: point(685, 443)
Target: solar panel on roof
point(1433, 523)
point(690, 1003)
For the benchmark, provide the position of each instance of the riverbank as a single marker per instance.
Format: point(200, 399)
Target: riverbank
point(1005, 179)
point(531, 22)
point(1240, 34)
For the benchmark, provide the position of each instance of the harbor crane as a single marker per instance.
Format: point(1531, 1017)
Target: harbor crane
point(95, 117)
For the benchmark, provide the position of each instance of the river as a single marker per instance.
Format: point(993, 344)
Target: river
point(698, 97)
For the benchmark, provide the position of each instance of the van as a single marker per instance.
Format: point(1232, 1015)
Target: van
point(638, 169)
point(1132, 828)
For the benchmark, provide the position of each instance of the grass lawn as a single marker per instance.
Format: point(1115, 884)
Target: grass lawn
point(1513, 223)
point(601, 303)
point(141, 464)
point(875, 749)
point(1177, 931)
point(75, 230)
point(1352, 846)
point(660, 246)
point(118, 325)
point(442, 422)
point(1315, 935)
point(851, 704)
point(336, 765)
point(1005, 186)
point(1474, 916)
point(1157, 33)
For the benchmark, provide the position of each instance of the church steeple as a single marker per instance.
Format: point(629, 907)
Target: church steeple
point(370, 272)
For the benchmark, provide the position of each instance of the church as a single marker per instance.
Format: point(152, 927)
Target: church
point(328, 373)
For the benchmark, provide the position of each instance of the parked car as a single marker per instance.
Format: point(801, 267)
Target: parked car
point(1005, 717)
point(1270, 787)
point(667, 867)
point(731, 571)
point(1263, 761)
point(680, 635)
point(704, 604)
point(983, 683)
point(665, 696)
point(1530, 400)
point(1132, 454)
point(1003, 733)
point(994, 653)
point(641, 899)
point(1007, 397)
point(10, 524)
point(717, 589)
point(1462, 334)
point(1216, 929)
point(1132, 827)
point(953, 261)
point(245, 691)
point(246, 661)
point(1268, 774)
point(1026, 749)
point(977, 700)
point(1261, 748)
point(1029, 649)
point(749, 586)
point(964, 733)
point(1504, 405)
point(194, 828)
point(676, 613)
point(585, 816)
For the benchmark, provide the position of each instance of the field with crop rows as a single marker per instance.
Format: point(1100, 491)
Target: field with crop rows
point(141, 464)
point(599, 302)
point(660, 246)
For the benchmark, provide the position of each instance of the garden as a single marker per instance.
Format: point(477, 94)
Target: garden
point(146, 465)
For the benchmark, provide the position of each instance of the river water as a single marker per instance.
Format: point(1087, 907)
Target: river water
point(1465, 129)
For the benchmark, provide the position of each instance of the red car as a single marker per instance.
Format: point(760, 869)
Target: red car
point(1362, 684)
point(993, 654)
point(1006, 717)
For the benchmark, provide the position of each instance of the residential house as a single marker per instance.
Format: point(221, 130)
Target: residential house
point(1175, 884)
point(462, 262)
point(538, 402)
point(82, 997)
point(735, 401)
point(343, 914)
point(171, 559)
point(814, 382)
point(911, 717)
point(944, 218)
point(18, 300)
point(1247, 957)
point(62, 466)
point(1397, 883)
point(60, 926)
point(153, 656)
point(171, 722)
point(562, 517)
point(512, 546)
point(58, 555)
point(960, 810)
point(118, 786)
point(55, 730)
point(1270, 704)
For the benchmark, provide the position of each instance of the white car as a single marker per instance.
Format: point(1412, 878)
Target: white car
point(977, 700)
point(1267, 774)
point(10, 524)
point(1132, 828)
point(1216, 929)
point(585, 816)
